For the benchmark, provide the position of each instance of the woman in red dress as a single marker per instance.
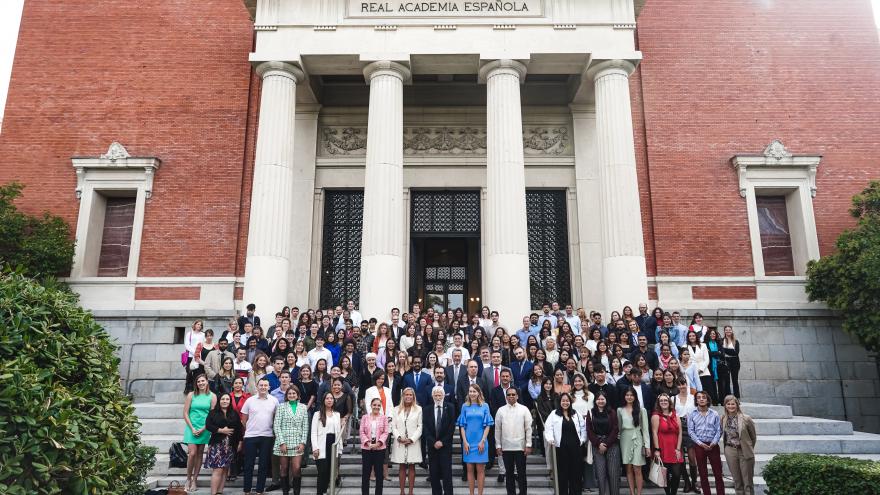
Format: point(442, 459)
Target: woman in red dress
point(666, 431)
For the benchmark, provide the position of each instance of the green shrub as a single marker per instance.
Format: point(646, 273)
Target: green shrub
point(808, 474)
point(39, 245)
point(65, 425)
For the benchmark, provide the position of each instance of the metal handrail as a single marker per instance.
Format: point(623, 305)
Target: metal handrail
point(334, 467)
point(554, 468)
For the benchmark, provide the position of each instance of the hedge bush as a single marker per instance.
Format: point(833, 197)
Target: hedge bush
point(65, 425)
point(809, 474)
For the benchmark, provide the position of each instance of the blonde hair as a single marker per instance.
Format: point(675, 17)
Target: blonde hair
point(727, 399)
point(415, 404)
point(732, 335)
point(480, 399)
point(200, 323)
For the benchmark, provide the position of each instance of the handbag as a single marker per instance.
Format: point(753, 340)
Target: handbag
point(184, 358)
point(176, 456)
point(175, 488)
point(657, 475)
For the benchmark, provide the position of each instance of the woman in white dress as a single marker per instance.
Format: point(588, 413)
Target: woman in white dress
point(406, 431)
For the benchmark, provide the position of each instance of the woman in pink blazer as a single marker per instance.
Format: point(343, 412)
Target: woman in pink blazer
point(374, 433)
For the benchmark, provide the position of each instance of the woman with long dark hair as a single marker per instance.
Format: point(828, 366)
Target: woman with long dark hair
point(717, 365)
point(666, 432)
point(635, 440)
point(545, 403)
point(602, 430)
point(326, 429)
point(224, 424)
point(565, 432)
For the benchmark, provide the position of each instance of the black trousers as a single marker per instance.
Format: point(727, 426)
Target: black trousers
point(728, 380)
point(257, 449)
point(673, 476)
point(373, 460)
point(710, 387)
point(323, 466)
point(569, 470)
point(515, 464)
point(440, 469)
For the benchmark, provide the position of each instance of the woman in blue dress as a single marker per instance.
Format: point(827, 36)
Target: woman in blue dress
point(474, 422)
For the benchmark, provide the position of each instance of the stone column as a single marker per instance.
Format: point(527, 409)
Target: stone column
point(382, 256)
point(267, 267)
point(624, 275)
point(506, 284)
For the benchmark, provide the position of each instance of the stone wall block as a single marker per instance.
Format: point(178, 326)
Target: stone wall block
point(853, 406)
point(859, 388)
point(824, 388)
point(830, 370)
point(754, 352)
point(817, 352)
point(747, 371)
point(792, 388)
point(772, 371)
point(160, 369)
point(757, 388)
point(817, 406)
point(799, 335)
point(785, 352)
point(772, 335)
point(851, 352)
point(840, 337)
point(866, 371)
point(806, 371)
point(847, 371)
point(744, 334)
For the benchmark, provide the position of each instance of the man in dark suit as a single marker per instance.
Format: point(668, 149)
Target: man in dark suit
point(448, 389)
point(421, 383)
point(643, 391)
point(521, 368)
point(645, 350)
point(491, 377)
point(249, 317)
point(455, 372)
point(600, 384)
point(438, 425)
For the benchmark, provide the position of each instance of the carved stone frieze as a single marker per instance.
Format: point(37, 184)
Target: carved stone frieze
point(443, 140)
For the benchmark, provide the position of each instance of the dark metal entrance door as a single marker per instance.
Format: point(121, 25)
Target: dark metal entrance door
point(445, 257)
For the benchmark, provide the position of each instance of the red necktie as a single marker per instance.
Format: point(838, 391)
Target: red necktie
point(496, 376)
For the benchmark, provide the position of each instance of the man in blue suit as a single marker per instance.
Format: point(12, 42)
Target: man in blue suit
point(421, 383)
point(521, 368)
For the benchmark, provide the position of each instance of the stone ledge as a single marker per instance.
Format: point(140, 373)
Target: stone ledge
point(162, 313)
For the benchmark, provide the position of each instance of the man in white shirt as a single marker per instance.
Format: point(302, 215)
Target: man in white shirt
point(546, 315)
point(242, 366)
point(513, 440)
point(572, 319)
point(354, 314)
point(458, 345)
point(258, 415)
point(319, 352)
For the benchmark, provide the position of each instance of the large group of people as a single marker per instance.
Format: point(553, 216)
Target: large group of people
point(599, 402)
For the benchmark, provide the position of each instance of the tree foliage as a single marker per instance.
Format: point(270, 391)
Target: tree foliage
point(65, 425)
point(849, 279)
point(40, 245)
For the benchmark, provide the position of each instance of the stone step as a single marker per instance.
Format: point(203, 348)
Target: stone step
point(763, 411)
point(170, 397)
point(857, 443)
point(166, 419)
point(802, 425)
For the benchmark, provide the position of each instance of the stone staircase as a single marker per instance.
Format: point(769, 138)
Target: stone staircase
point(778, 432)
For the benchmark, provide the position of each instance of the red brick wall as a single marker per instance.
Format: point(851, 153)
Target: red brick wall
point(724, 292)
point(721, 78)
point(167, 293)
point(164, 78)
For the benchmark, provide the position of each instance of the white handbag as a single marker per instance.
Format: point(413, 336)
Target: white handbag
point(657, 475)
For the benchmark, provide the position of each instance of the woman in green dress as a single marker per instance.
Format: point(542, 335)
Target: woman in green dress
point(291, 429)
point(635, 440)
point(196, 407)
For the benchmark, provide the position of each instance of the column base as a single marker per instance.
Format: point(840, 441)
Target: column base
point(507, 288)
point(625, 282)
point(265, 284)
point(382, 286)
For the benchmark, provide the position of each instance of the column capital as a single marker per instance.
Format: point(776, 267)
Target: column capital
point(387, 68)
point(283, 69)
point(608, 67)
point(503, 66)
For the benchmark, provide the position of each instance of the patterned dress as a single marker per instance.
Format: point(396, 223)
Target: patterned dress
point(291, 428)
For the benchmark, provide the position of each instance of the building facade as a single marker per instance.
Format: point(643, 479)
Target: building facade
point(452, 154)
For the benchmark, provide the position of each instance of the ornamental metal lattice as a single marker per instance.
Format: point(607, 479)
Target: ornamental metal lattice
point(446, 213)
point(341, 253)
point(547, 218)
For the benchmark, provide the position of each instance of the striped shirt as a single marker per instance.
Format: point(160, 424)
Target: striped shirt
point(704, 429)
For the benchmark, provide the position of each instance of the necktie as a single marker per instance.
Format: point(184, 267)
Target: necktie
point(455, 375)
point(417, 379)
point(437, 416)
point(496, 376)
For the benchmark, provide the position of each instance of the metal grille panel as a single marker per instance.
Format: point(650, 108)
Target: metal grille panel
point(446, 213)
point(341, 253)
point(547, 218)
